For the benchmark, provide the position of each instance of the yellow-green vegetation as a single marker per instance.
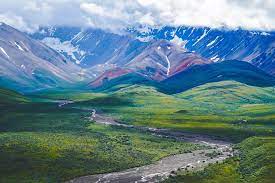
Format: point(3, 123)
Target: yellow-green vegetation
point(257, 159)
point(55, 157)
point(227, 109)
point(74, 95)
point(256, 163)
point(41, 142)
point(8, 97)
point(226, 172)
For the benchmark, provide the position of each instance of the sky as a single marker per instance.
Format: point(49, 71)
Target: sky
point(116, 15)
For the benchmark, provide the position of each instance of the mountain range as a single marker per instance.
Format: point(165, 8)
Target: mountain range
point(256, 47)
point(178, 58)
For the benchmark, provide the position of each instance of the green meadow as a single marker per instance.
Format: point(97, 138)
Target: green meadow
point(41, 142)
point(229, 109)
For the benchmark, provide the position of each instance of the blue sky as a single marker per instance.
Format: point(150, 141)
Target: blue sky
point(115, 15)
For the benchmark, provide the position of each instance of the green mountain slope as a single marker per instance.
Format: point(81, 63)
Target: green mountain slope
point(11, 97)
point(228, 70)
point(124, 82)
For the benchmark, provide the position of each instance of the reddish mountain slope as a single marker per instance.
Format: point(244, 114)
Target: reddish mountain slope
point(108, 75)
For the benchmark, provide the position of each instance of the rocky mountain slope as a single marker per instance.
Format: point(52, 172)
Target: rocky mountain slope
point(27, 64)
point(90, 47)
point(256, 47)
point(100, 51)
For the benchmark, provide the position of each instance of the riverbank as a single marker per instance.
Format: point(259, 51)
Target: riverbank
point(215, 151)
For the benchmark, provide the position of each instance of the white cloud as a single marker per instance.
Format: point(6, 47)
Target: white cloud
point(147, 19)
point(116, 15)
point(17, 21)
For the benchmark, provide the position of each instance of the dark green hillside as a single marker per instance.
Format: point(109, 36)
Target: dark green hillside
point(125, 81)
point(228, 70)
point(9, 97)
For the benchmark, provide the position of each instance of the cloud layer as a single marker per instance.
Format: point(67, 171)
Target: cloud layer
point(116, 15)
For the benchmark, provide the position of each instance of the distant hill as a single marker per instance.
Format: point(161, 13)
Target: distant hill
point(8, 97)
point(197, 75)
point(228, 70)
point(109, 75)
point(126, 81)
point(229, 93)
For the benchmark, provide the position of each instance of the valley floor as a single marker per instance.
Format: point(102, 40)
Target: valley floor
point(160, 170)
point(53, 137)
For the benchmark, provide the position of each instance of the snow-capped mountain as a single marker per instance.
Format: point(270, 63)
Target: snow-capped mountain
point(255, 47)
point(98, 48)
point(27, 64)
point(91, 47)
point(160, 60)
point(101, 51)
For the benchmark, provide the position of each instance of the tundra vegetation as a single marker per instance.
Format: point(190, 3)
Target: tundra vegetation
point(41, 142)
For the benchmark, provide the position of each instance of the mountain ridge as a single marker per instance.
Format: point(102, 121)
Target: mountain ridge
point(228, 70)
point(28, 64)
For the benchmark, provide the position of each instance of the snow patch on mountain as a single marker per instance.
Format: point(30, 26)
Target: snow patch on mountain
point(26, 48)
point(260, 33)
point(144, 30)
point(5, 53)
point(203, 35)
point(168, 65)
point(65, 47)
point(97, 43)
point(265, 34)
point(23, 66)
point(52, 30)
point(79, 37)
point(145, 39)
point(212, 42)
point(215, 58)
point(18, 46)
point(179, 41)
